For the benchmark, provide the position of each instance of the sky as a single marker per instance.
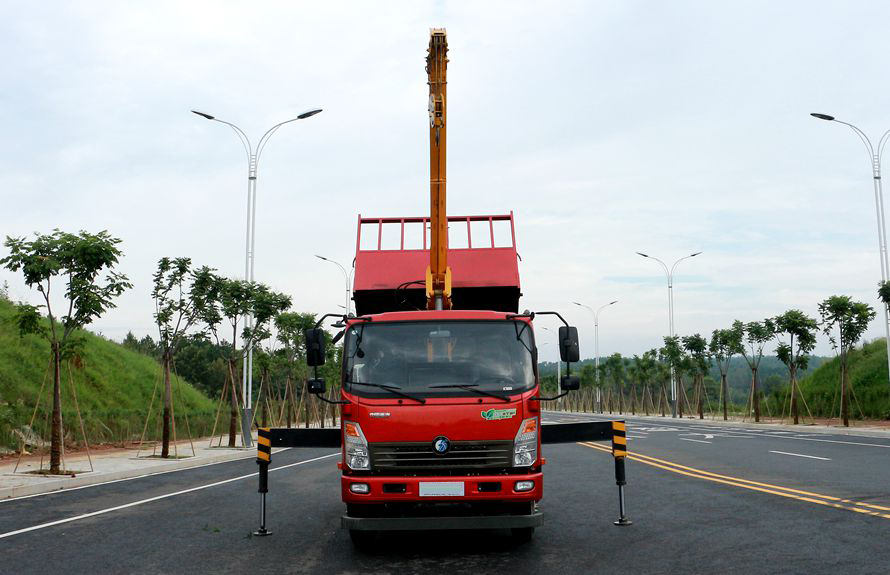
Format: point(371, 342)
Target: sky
point(607, 127)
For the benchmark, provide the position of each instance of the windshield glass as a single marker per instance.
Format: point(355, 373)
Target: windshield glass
point(422, 357)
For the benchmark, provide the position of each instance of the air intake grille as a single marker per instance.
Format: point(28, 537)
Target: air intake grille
point(420, 456)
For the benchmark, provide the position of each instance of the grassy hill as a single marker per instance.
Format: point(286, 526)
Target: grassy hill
point(114, 388)
point(867, 371)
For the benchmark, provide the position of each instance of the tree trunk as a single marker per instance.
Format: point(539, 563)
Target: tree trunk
point(723, 387)
point(844, 406)
point(233, 420)
point(701, 394)
point(680, 393)
point(55, 453)
point(663, 399)
point(794, 395)
point(755, 396)
point(168, 402)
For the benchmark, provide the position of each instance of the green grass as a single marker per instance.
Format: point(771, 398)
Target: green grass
point(114, 388)
point(867, 371)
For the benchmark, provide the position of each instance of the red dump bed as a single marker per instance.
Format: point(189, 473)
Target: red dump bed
point(392, 255)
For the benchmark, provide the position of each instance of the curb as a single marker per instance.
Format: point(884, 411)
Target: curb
point(90, 479)
point(802, 428)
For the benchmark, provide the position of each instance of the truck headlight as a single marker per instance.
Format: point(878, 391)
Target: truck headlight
point(525, 446)
point(357, 457)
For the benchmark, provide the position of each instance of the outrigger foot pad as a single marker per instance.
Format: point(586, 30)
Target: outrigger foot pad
point(262, 532)
point(624, 521)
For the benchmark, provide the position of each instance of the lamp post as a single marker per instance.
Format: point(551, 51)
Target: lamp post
point(345, 278)
point(875, 157)
point(596, 343)
point(253, 156)
point(669, 273)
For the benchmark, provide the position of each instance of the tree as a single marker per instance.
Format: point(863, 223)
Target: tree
point(615, 368)
point(78, 259)
point(290, 327)
point(850, 318)
point(181, 294)
point(724, 344)
point(236, 299)
point(672, 353)
point(796, 334)
point(755, 335)
point(700, 362)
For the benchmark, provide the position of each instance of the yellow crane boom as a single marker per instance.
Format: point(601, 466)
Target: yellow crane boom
point(438, 274)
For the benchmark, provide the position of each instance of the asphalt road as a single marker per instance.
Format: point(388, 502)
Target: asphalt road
point(744, 501)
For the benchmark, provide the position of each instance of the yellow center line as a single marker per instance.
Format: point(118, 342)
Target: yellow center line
point(807, 496)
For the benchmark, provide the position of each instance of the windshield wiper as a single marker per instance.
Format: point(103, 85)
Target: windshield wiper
point(390, 388)
point(471, 387)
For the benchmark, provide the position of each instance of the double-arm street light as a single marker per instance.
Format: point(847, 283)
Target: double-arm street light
point(253, 156)
point(875, 158)
point(596, 341)
point(345, 278)
point(669, 273)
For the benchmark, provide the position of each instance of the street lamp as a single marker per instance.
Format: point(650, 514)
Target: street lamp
point(345, 278)
point(875, 157)
point(669, 273)
point(596, 342)
point(253, 156)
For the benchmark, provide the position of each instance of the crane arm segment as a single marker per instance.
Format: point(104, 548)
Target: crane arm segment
point(438, 280)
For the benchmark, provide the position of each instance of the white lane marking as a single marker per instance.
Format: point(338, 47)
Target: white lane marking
point(695, 440)
point(156, 498)
point(144, 475)
point(800, 455)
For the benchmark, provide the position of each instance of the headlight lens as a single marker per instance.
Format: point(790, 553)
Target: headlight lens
point(357, 457)
point(525, 446)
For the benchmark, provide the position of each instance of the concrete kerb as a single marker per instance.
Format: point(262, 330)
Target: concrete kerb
point(47, 485)
point(766, 426)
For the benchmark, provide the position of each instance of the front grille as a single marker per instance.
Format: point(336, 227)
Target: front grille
point(420, 455)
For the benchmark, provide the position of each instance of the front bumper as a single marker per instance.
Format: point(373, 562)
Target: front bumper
point(477, 488)
point(536, 519)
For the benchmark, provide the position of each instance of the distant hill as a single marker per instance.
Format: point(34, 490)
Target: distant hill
point(867, 369)
point(114, 388)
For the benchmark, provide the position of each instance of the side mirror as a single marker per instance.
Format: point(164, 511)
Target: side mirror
point(316, 386)
point(568, 344)
point(314, 346)
point(570, 383)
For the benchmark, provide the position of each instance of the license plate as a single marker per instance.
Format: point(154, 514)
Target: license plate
point(441, 488)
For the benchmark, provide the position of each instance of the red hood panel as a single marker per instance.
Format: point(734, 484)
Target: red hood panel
point(425, 422)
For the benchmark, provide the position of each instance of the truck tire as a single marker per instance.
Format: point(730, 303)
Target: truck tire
point(522, 534)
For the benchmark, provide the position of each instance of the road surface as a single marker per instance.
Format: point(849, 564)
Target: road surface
point(703, 498)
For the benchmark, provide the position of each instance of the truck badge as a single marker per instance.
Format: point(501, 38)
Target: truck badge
point(495, 414)
point(379, 414)
point(441, 445)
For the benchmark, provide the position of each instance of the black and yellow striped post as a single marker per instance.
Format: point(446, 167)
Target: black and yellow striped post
point(619, 452)
point(263, 459)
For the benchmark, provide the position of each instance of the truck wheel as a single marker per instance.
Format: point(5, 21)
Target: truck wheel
point(522, 534)
point(363, 540)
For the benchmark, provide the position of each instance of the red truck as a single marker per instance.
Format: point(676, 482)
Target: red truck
point(441, 416)
point(440, 397)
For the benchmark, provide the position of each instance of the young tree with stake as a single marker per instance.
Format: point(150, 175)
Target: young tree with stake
point(796, 335)
point(697, 350)
point(755, 335)
point(181, 295)
point(850, 318)
point(724, 344)
point(78, 259)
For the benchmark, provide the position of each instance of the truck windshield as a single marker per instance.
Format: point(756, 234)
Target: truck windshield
point(431, 359)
